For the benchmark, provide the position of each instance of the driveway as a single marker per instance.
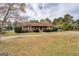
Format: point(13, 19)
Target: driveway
point(41, 34)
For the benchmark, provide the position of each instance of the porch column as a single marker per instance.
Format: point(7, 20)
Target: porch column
point(28, 28)
point(42, 29)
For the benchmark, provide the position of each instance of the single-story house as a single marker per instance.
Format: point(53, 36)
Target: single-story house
point(76, 28)
point(30, 26)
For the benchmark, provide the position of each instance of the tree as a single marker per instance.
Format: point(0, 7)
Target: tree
point(9, 10)
point(42, 20)
point(48, 20)
point(77, 21)
point(65, 22)
point(68, 18)
point(58, 21)
point(9, 25)
point(55, 21)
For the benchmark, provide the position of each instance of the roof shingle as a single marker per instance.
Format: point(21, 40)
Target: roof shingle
point(35, 24)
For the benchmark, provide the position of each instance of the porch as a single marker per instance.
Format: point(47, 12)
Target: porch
point(32, 28)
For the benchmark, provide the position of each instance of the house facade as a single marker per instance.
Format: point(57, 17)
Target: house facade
point(30, 26)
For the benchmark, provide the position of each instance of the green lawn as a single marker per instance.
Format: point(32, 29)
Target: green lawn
point(49, 44)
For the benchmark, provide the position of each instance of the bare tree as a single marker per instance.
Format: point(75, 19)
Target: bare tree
point(10, 10)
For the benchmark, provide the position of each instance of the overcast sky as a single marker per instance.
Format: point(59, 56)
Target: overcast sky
point(51, 10)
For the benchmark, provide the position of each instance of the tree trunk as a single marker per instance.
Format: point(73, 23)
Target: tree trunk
point(4, 20)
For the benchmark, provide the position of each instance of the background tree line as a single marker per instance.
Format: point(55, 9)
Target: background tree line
point(66, 23)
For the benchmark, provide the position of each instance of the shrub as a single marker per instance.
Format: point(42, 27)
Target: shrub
point(36, 30)
point(18, 29)
point(9, 27)
point(51, 30)
point(65, 27)
point(46, 30)
point(54, 30)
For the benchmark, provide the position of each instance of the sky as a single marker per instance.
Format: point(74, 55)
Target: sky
point(51, 10)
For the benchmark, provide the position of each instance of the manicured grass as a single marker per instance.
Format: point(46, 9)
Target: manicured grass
point(49, 44)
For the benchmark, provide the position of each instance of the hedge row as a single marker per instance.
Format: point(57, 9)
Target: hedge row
point(50, 30)
point(19, 30)
point(36, 30)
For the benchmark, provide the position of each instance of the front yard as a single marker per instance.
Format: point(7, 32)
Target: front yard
point(45, 44)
